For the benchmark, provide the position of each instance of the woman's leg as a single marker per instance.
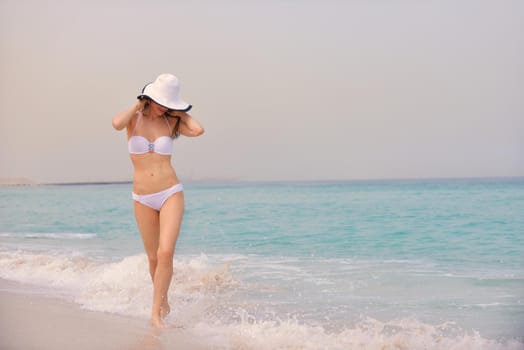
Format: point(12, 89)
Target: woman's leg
point(148, 222)
point(171, 215)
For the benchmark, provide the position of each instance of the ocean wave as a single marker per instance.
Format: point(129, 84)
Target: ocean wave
point(122, 287)
point(367, 334)
point(203, 302)
point(42, 235)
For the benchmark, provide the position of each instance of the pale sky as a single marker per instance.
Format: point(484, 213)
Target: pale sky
point(286, 89)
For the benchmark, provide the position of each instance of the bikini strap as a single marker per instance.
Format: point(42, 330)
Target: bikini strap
point(167, 121)
point(136, 123)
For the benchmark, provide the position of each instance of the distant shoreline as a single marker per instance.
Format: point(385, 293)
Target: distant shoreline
point(29, 182)
point(18, 181)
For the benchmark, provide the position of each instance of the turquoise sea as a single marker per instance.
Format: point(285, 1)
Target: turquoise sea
point(400, 264)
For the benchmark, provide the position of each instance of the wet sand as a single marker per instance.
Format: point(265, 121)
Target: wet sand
point(34, 322)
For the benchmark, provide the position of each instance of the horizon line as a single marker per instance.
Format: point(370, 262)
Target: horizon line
point(28, 182)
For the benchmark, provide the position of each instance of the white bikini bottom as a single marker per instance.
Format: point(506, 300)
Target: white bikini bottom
point(157, 200)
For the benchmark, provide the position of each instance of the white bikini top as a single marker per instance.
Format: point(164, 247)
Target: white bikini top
point(140, 145)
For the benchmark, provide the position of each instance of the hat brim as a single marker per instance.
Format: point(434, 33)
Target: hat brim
point(182, 107)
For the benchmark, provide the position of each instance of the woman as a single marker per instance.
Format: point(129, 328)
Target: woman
point(159, 116)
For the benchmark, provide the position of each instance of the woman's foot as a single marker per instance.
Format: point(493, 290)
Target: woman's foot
point(165, 309)
point(157, 318)
point(158, 323)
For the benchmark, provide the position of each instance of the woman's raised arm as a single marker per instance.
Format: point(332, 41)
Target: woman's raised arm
point(189, 126)
point(121, 121)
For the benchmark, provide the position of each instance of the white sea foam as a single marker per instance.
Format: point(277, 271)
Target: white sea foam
point(368, 334)
point(45, 235)
point(122, 287)
point(203, 300)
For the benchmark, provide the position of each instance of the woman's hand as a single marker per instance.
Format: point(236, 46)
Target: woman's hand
point(140, 104)
point(189, 126)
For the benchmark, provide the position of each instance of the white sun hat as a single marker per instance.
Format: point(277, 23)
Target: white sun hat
point(165, 91)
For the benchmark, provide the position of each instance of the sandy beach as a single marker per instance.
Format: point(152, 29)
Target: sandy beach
point(33, 322)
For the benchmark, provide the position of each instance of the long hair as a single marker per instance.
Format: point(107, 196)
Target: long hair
point(167, 114)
